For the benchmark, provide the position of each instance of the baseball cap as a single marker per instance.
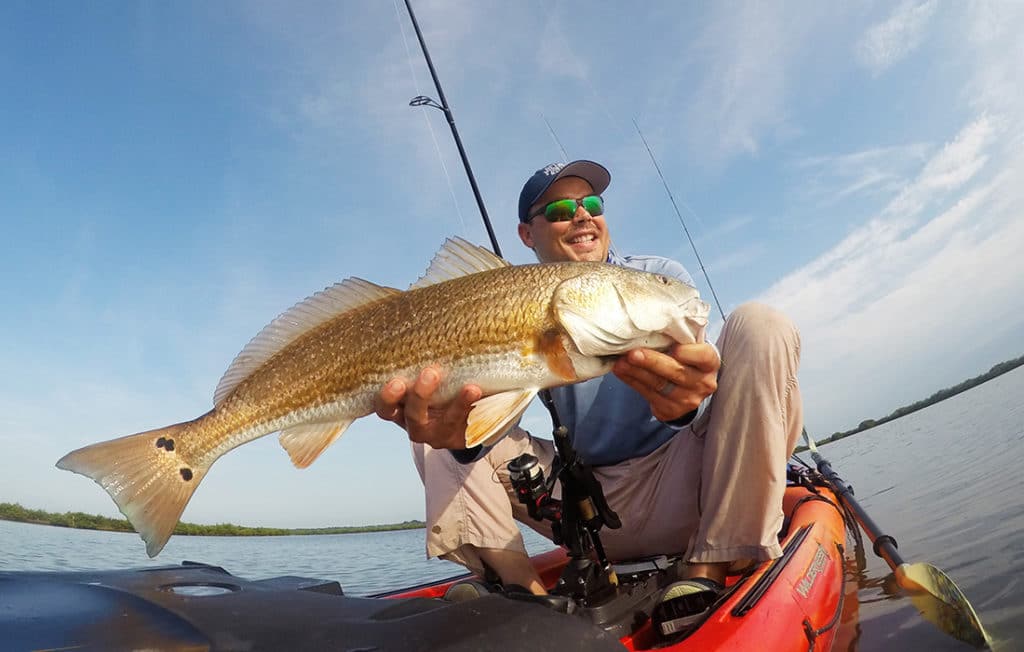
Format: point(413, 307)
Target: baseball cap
point(593, 173)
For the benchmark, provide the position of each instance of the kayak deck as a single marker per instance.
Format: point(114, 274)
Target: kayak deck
point(791, 603)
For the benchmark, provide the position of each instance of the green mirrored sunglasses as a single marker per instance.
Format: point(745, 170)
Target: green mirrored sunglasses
point(563, 210)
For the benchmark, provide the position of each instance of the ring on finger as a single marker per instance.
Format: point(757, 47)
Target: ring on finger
point(667, 388)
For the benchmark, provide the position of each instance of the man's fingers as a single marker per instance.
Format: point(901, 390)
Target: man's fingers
point(409, 405)
point(417, 402)
point(458, 412)
point(674, 382)
point(388, 402)
point(639, 378)
point(647, 367)
point(702, 357)
point(426, 384)
point(684, 363)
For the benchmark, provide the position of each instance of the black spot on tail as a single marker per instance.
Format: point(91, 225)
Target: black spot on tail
point(186, 473)
point(160, 442)
point(165, 443)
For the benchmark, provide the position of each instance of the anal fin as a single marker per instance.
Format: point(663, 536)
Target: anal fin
point(305, 442)
point(492, 416)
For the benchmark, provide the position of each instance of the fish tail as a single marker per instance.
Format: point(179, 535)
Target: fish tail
point(146, 476)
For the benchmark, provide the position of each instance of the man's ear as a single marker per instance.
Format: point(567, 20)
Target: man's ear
point(525, 235)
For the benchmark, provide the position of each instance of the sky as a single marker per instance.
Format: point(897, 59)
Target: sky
point(175, 175)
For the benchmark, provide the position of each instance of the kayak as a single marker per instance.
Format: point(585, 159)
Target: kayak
point(792, 603)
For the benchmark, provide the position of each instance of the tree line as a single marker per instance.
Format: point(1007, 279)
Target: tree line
point(941, 395)
point(80, 520)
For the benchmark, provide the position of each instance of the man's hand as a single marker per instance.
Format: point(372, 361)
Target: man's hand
point(440, 426)
point(674, 382)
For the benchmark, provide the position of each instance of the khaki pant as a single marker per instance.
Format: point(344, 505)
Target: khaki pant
point(713, 492)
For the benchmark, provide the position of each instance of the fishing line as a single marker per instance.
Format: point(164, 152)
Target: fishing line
point(681, 221)
point(565, 157)
point(433, 136)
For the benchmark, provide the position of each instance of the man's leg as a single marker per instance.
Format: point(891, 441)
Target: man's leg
point(471, 509)
point(749, 430)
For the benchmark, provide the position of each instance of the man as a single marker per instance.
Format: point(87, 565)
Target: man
point(686, 473)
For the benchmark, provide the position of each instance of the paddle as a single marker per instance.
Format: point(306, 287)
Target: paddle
point(935, 595)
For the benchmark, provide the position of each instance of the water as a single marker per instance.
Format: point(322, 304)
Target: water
point(945, 481)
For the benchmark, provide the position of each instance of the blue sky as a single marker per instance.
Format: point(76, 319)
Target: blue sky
point(174, 175)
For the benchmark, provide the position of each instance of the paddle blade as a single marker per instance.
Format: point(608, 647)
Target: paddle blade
point(941, 601)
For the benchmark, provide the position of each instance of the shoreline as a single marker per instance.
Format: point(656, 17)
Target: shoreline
point(16, 513)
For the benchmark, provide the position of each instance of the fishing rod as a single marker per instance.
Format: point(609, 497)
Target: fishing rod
point(584, 509)
point(423, 100)
point(681, 221)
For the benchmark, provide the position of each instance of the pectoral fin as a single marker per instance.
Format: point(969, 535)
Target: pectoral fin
point(551, 346)
point(307, 441)
point(492, 416)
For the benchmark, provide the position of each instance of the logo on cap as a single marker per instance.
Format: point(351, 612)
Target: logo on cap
point(553, 169)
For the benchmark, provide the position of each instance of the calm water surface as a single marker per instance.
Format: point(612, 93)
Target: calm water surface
point(945, 481)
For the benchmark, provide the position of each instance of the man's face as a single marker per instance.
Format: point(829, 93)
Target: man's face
point(584, 238)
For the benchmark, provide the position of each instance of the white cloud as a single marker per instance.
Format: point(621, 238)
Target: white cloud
point(885, 44)
point(745, 51)
point(873, 171)
point(948, 170)
point(724, 228)
point(738, 258)
point(911, 287)
point(993, 31)
point(557, 57)
point(848, 274)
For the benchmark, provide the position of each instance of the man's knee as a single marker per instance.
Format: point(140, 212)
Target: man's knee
point(758, 337)
point(753, 322)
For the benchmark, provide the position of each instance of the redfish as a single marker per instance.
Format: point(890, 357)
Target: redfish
point(512, 330)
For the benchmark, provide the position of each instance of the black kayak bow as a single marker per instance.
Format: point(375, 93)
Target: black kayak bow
point(934, 593)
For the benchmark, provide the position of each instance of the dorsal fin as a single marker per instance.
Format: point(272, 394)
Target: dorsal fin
point(455, 258)
point(295, 322)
